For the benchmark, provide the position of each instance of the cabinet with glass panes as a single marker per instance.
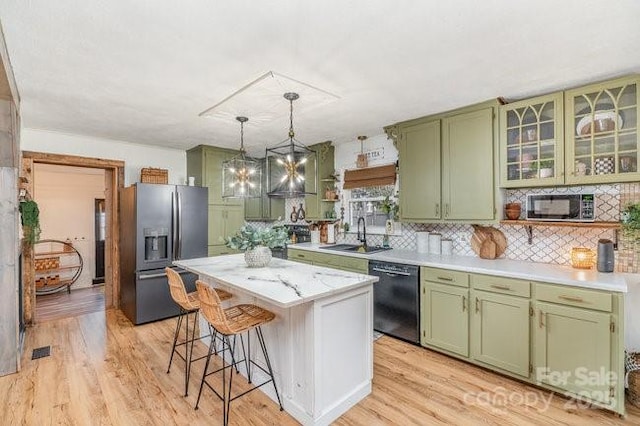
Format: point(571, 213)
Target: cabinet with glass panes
point(531, 142)
point(602, 143)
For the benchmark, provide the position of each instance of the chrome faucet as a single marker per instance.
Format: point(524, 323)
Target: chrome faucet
point(362, 239)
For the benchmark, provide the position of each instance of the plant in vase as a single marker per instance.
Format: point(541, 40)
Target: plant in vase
point(546, 169)
point(390, 208)
point(257, 243)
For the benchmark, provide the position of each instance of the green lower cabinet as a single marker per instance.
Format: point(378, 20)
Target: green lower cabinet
point(445, 317)
point(500, 331)
point(573, 351)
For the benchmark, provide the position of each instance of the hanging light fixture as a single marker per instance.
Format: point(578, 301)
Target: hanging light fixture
point(241, 175)
point(290, 164)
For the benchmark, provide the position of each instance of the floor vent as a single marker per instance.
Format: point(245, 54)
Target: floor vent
point(41, 352)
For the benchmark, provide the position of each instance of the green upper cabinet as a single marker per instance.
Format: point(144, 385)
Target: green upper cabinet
point(264, 208)
point(315, 173)
point(226, 215)
point(531, 142)
point(419, 161)
point(587, 135)
point(205, 164)
point(446, 166)
point(602, 140)
point(467, 166)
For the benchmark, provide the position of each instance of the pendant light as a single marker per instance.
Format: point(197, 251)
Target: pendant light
point(241, 175)
point(362, 161)
point(291, 166)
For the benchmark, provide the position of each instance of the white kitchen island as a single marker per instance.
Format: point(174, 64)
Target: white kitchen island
point(321, 342)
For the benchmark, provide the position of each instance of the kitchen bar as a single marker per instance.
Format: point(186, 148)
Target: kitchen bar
point(321, 342)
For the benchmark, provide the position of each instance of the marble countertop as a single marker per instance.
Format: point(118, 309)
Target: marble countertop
point(543, 272)
point(283, 283)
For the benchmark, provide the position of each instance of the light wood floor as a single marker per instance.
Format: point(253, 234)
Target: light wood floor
point(104, 371)
point(63, 305)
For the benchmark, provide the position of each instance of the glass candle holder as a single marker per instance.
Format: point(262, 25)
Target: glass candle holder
point(582, 257)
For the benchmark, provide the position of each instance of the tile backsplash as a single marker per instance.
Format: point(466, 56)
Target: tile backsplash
point(549, 244)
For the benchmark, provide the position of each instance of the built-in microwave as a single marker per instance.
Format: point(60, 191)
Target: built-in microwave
point(561, 207)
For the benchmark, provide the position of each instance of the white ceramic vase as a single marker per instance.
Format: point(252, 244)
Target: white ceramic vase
point(257, 257)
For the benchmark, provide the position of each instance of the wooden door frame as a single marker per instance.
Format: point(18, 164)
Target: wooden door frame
point(114, 180)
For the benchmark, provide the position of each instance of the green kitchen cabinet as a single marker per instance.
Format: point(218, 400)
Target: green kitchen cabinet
point(467, 166)
point(226, 215)
point(573, 345)
point(601, 132)
point(419, 164)
point(444, 317)
point(532, 142)
point(446, 166)
point(224, 221)
point(264, 208)
point(315, 172)
point(500, 331)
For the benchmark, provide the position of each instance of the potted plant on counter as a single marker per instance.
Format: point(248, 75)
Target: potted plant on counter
point(257, 243)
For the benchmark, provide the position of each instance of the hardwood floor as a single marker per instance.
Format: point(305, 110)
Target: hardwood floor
point(104, 371)
point(63, 305)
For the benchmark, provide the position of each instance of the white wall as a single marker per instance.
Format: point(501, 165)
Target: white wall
point(134, 155)
point(65, 197)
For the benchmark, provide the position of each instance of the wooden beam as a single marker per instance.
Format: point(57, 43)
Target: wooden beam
point(72, 160)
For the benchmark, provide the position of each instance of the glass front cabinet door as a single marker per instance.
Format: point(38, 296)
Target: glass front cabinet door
point(531, 142)
point(602, 132)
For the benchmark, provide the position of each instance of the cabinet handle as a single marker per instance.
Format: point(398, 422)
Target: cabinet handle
point(501, 287)
point(437, 209)
point(464, 303)
point(301, 255)
point(445, 278)
point(540, 319)
point(572, 299)
point(446, 210)
point(477, 305)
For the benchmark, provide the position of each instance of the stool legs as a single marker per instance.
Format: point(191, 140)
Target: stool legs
point(188, 344)
point(266, 358)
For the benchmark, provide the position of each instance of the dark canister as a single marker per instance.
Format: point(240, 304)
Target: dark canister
point(605, 255)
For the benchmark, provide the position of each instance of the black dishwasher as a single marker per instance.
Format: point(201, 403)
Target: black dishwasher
point(396, 300)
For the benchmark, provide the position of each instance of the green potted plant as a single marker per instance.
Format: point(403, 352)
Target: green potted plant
point(257, 243)
point(630, 218)
point(545, 169)
point(30, 220)
point(390, 208)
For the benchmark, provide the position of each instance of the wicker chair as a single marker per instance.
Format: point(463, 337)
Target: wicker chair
point(228, 322)
point(189, 304)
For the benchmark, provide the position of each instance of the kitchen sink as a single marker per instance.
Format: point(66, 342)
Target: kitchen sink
point(356, 248)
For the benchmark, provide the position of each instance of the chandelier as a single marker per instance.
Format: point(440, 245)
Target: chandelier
point(289, 162)
point(241, 175)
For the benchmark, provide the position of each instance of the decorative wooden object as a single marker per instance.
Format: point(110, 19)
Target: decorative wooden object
point(488, 242)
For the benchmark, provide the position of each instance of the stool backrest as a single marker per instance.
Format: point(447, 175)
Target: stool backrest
point(211, 308)
point(178, 292)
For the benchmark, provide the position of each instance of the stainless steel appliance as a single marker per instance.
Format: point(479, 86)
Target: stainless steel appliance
point(396, 300)
point(158, 224)
point(301, 232)
point(561, 207)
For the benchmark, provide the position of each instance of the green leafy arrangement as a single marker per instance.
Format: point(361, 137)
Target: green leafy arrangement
point(249, 237)
point(30, 219)
point(631, 220)
point(390, 208)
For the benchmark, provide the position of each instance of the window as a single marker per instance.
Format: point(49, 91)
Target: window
point(367, 203)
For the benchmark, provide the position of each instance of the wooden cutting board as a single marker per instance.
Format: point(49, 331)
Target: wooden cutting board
point(488, 242)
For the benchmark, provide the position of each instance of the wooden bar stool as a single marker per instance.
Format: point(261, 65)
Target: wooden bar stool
point(189, 304)
point(228, 322)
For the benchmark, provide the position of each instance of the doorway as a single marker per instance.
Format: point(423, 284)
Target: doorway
point(113, 180)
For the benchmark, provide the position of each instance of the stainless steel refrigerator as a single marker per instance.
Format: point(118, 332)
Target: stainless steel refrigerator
point(158, 224)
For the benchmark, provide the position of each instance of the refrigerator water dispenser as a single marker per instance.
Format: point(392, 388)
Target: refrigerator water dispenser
point(155, 243)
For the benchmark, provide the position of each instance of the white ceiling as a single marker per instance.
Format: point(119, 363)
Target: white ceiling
point(143, 71)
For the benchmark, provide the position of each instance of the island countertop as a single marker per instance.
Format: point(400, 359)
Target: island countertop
point(283, 283)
